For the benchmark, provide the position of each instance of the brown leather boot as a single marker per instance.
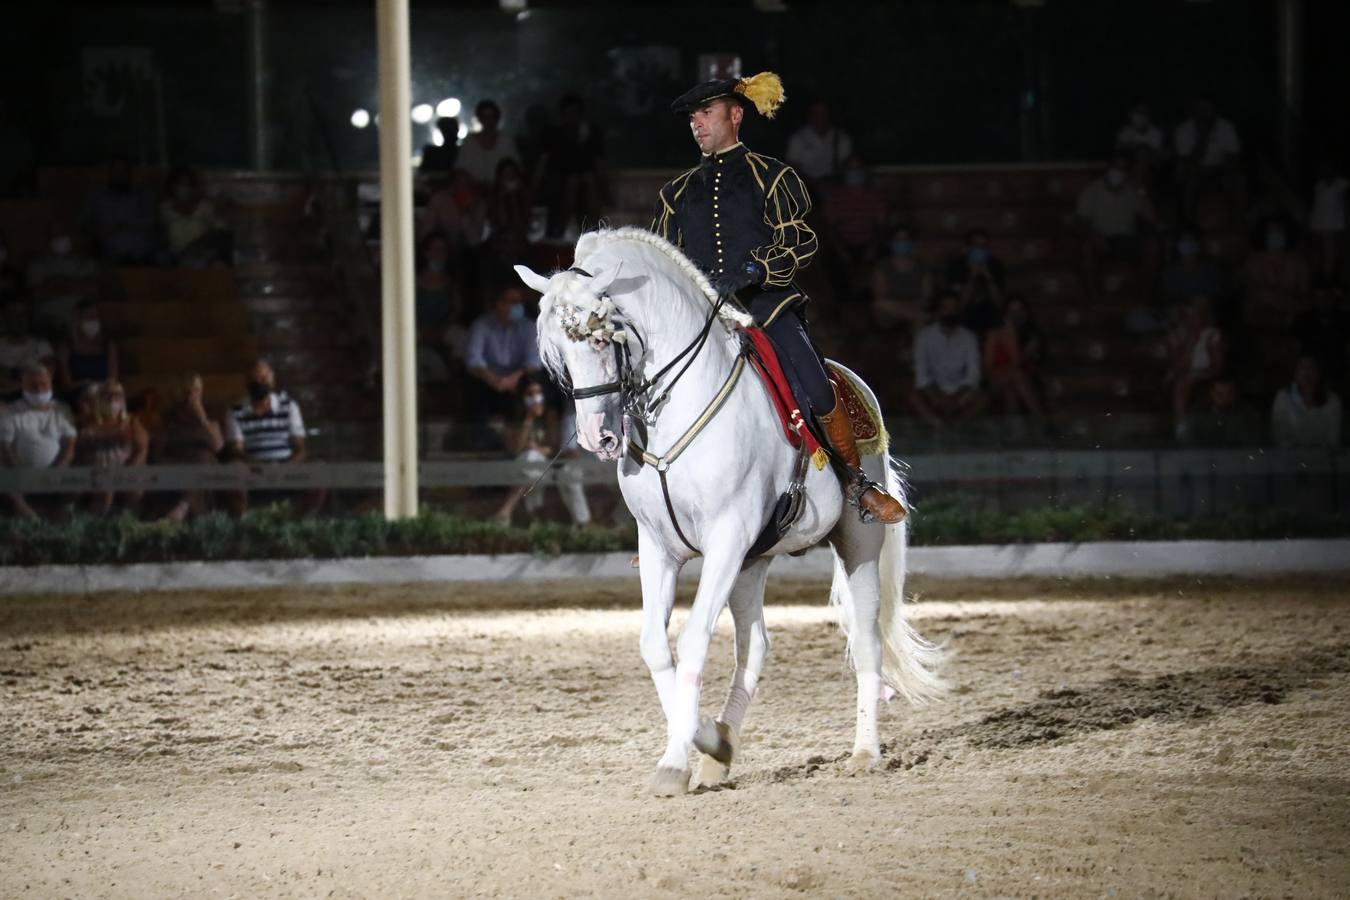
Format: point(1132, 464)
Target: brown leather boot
point(875, 503)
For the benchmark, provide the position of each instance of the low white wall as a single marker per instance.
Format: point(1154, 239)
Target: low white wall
point(1115, 559)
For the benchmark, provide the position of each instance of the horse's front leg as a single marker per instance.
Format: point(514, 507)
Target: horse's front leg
point(719, 574)
point(719, 740)
point(658, 572)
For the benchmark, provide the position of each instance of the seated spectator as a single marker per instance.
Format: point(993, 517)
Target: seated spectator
point(88, 356)
point(1012, 356)
point(20, 348)
point(1225, 420)
point(1199, 356)
point(441, 159)
point(267, 429)
point(434, 299)
point(122, 220)
point(1274, 279)
point(196, 236)
point(36, 433)
point(976, 262)
point(502, 352)
point(12, 283)
point(572, 171)
point(457, 209)
point(187, 436)
point(1323, 331)
point(510, 212)
point(947, 366)
point(109, 437)
point(483, 151)
point(1192, 273)
point(60, 280)
point(855, 211)
point(818, 149)
point(1208, 151)
point(902, 282)
point(1327, 219)
point(981, 303)
point(1306, 415)
point(533, 441)
point(1111, 210)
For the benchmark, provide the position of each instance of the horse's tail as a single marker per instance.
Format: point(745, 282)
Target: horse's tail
point(910, 663)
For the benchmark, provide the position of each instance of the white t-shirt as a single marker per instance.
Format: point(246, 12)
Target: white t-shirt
point(948, 361)
point(1223, 142)
point(481, 162)
point(16, 356)
point(1328, 206)
point(816, 155)
point(1112, 213)
point(1296, 424)
point(35, 435)
point(1149, 136)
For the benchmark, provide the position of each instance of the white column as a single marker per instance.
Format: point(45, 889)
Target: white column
point(396, 239)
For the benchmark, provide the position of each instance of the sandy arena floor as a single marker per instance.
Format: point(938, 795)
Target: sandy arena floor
point(1109, 739)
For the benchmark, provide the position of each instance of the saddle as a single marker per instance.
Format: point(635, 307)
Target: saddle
point(802, 433)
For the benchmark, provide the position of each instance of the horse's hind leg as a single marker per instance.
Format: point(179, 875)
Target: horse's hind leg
point(719, 739)
point(858, 591)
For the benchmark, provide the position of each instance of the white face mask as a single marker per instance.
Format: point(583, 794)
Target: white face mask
point(90, 327)
point(62, 246)
point(37, 398)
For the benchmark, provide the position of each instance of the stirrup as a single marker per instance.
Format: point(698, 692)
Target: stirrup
point(858, 485)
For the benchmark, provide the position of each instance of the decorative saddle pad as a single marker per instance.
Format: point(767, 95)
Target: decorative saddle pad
point(868, 428)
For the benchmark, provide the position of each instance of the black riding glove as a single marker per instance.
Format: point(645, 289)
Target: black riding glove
point(751, 274)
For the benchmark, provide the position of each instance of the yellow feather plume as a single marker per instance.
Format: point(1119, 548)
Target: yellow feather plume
point(765, 90)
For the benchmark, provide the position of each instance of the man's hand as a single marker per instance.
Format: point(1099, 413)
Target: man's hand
point(751, 274)
point(508, 383)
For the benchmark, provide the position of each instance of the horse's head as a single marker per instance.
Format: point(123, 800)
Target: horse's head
point(582, 340)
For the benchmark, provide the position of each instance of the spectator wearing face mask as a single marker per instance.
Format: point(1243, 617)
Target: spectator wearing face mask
point(1139, 138)
point(484, 150)
point(435, 296)
point(267, 429)
point(947, 366)
point(1208, 151)
point(510, 211)
point(1306, 415)
point(20, 348)
point(36, 433)
point(502, 352)
point(533, 441)
point(1225, 420)
point(196, 235)
point(88, 356)
point(1327, 218)
point(1192, 273)
point(977, 262)
point(1275, 278)
point(1199, 357)
point(60, 280)
point(1112, 210)
point(1012, 357)
point(902, 282)
point(122, 220)
point(110, 438)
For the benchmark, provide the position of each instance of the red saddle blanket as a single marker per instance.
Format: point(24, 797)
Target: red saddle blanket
point(864, 420)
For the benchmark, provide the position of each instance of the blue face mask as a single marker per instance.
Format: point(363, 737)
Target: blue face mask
point(902, 247)
point(517, 313)
point(1188, 247)
point(978, 255)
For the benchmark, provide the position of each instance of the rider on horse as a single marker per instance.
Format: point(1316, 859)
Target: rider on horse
point(741, 217)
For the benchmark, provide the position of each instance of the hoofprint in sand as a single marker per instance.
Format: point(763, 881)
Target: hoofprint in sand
point(1179, 738)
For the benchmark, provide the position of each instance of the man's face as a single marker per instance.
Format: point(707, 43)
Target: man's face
point(714, 125)
point(262, 373)
point(37, 381)
point(488, 118)
point(507, 303)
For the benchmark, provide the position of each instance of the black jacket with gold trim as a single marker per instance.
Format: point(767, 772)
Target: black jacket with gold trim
point(736, 206)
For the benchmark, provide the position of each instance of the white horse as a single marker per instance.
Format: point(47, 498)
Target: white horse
point(634, 302)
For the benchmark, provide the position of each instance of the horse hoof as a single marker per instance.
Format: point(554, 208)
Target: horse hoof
point(711, 773)
point(863, 761)
point(716, 739)
point(670, 782)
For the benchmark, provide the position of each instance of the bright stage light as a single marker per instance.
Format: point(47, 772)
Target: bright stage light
point(360, 118)
point(437, 139)
point(422, 113)
point(463, 131)
point(448, 108)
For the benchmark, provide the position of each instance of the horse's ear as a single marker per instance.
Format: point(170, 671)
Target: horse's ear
point(532, 279)
point(620, 286)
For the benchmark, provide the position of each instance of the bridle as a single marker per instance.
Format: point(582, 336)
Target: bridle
point(631, 388)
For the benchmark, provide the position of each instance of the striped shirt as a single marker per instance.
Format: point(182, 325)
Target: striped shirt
point(266, 435)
